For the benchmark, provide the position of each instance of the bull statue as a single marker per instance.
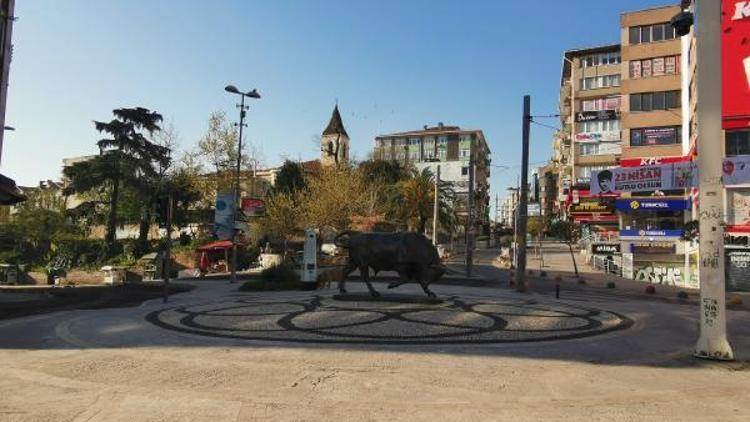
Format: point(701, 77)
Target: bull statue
point(411, 255)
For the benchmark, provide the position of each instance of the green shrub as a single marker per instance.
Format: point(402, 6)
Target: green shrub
point(247, 256)
point(281, 277)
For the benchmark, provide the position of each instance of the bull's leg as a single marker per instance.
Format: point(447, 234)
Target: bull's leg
point(424, 281)
point(364, 271)
point(347, 270)
point(404, 278)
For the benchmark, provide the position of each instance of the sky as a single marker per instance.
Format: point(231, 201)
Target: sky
point(391, 65)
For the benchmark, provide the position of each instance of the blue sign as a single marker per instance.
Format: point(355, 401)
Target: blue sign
point(651, 233)
point(633, 204)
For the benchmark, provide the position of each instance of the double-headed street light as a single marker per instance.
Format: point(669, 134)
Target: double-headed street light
point(251, 94)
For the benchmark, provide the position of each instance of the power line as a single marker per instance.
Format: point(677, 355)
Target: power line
point(545, 125)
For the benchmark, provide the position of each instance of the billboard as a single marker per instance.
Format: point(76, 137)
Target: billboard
point(645, 178)
point(253, 207)
point(736, 170)
point(633, 204)
point(224, 216)
point(735, 64)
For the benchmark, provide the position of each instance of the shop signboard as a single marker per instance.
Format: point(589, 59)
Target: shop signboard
point(738, 269)
point(652, 161)
point(735, 64)
point(590, 116)
point(253, 207)
point(605, 248)
point(592, 206)
point(738, 207)
point(636, 204)
point(533, 210)
point(650, 233)
point(653, 248)
point(604, 136)
point(736, 170)
point(645, 178)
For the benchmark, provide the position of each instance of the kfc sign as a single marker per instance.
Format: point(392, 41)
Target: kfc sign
point(652, 161)
point(735, 63)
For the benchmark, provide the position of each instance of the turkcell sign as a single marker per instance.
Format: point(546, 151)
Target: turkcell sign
point(631, 205)
point(650, 233)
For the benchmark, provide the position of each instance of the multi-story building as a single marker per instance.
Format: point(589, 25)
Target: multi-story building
point(652, 222)
point(449, 147)
point(590, 106)
point(9, 193)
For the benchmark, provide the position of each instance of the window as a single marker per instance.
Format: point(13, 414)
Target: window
point(464, 171)
point(737, 143)
point(599, 104)
point(600, 82)
point(650, 101)
point(601, 59)
point(658, 66)
point(465, 153)
point(666, 135)
point(651, 33)
point(599, 126)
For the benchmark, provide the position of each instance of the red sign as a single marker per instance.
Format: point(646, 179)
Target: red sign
point(652, 161)
point(735, 64)
point(253, 207)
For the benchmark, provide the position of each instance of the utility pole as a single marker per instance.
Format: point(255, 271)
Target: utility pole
point(524, 199)
point(470, 217)
point(168, 250)
point(712, 343)
point(494, 232)
point(235, 233)
point(435, 207)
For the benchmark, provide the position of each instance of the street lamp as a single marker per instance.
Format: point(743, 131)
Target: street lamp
point(251, 94)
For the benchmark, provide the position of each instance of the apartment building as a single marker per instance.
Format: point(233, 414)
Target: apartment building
point(450, 148)
point(9, 193)
point(590, 105)
point(652, 222)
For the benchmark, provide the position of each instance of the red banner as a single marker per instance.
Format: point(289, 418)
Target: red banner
point(735, 63)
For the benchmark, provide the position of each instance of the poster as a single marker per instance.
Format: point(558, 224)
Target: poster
point(735, 64)
point(253, 207)
point(224, 216)
point(736, 170)
point(670, 65)
point(646, 68)
point(658, 67)
point(645, 178)
point(738, 207)
point(635, 69)
point(737, 268)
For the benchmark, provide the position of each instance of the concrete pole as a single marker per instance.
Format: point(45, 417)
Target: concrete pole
point(712, 343)
point(168, 252)
point(435, 207)
point(237, 198)
point(524, 200)
point(472, 211)
point(494, 232)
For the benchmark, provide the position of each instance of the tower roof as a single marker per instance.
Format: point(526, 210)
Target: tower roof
point(335, 126)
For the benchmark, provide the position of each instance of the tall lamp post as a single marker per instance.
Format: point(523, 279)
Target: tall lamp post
point(243, 108)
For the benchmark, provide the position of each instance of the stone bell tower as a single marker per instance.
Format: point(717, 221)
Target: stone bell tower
point(334, 143)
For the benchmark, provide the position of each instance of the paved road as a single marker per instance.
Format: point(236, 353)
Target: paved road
point(217, 354)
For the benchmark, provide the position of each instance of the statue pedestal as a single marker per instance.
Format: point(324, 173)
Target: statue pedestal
point(387, 297)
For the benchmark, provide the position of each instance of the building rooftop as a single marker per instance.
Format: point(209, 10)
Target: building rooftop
point(335, 125)
point(440, 129)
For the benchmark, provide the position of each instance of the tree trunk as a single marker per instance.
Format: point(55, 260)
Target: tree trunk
point(143, 229)
point(112, 220)
point(541, 253)
point(573, 257)
point(422, 225)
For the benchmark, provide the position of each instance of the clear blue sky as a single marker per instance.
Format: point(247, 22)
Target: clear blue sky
point(393, 65)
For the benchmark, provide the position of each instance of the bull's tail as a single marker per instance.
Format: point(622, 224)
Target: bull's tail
point(342, 239)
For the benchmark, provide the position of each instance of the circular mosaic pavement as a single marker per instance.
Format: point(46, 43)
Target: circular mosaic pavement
point(321, 319)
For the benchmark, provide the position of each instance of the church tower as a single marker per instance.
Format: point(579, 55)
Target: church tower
point(334, 143)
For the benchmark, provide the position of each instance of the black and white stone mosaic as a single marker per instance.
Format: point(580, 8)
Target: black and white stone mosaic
point(321, 319)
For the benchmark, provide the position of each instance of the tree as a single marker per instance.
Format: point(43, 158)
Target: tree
point(290, 178)
point(334, 196)
point(125, 157)
point(569, 233)
point(38, 222)
point(417, 198)
point(536, 228)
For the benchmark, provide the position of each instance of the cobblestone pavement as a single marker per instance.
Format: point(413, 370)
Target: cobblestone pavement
point(485, 354)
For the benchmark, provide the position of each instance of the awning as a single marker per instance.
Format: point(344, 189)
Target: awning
point(9, 193)
point(215, 246)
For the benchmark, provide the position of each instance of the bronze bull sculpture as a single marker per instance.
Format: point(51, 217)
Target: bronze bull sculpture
point(411, 255)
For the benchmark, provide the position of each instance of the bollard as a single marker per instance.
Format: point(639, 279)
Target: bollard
point(557, 290)
point(512, 282)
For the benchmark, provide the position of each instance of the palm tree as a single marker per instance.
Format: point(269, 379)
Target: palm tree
point(126, 157)
point(417, 198)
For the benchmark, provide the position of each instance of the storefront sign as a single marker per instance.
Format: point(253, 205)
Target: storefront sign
point(632, 204)
point(605, 248)
point(644, 179)
point(736, 170)
point(533, 210)
point(738, 269)
point(590, 116)
point(606, 136)
point(652, 161)
point(735, 64)
point(654, 136)
point(653, 248)
point(651, 233)
point(592, 206)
